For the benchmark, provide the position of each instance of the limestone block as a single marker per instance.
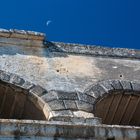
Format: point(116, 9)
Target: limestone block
point(18, 34)
point(84, 114)
point(135, 86)
point(17, 80)
point(70, 104)
point(20, 42)
point(27, 85)
point(86, 98)
point(67, 95)
point(57, 105)
point(61, 113)
point(116, 84)
point(107, 86)
point(96, 91)
point(126, 85)
point(46, 111)
point(93, 121)
point(84, 106)
point(35, 35)
point(38, 90)
point(52, 95)
point(4, 76)
point(4, 33)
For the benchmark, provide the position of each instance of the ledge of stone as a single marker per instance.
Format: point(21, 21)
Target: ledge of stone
point(31, 38)
point(78, 120)
point(22, 34)
point(31, 128)
point(93, 50)
point(16, 37)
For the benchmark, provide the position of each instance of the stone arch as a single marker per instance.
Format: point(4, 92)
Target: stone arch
point(19, 99)
point(67, 105)
point(116, 101)
point(36, 103)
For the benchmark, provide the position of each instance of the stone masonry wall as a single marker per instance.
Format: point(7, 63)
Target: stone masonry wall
point(67, 79)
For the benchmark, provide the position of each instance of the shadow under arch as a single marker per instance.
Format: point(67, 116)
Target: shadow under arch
point(19, 99)
point(117, 102)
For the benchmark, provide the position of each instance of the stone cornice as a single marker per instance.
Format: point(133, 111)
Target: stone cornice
point(93, 50)
point(35, 39)
point(22, 34)
point(21, 38)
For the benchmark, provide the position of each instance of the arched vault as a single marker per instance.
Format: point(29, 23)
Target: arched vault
point(116, 101)
point(19, 99)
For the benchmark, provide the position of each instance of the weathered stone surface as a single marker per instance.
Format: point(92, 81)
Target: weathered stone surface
point(62, 119)
point(4, 76)
point(14, 33)
point(116, 84)
point(83, 114)
point(17, 80)
point(86, 98)
point(52, 95)
point(77, 120)
point(20, 42)
point(52, 130)
point(64, 73)
point(57, 105)
point(96, 91)
point(38, 90)
point(84, 106)
point(61, 113)
point(70, 104)
point(27, 85)
point(67, 95)
point(135, 86)
point(4, 33)
point(93, 121)
point(96, 50)
point(72, 120)
point(22, 34)
point(126, 85)
point(39, 66)
point(107, 85)
point(35, 35)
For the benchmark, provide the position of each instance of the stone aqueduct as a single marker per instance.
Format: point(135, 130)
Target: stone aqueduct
point(51, 89)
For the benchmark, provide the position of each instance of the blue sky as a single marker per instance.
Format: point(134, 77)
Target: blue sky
point(114, 23)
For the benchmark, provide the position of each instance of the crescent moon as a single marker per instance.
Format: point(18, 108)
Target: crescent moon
point(48, 22)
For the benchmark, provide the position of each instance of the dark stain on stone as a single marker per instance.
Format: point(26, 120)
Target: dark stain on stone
point(110, 138)
point(17, 135)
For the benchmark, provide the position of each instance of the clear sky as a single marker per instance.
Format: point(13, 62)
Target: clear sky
point(114, 23)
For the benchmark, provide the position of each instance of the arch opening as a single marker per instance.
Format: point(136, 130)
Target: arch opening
point(15, 104)
point(119, 108)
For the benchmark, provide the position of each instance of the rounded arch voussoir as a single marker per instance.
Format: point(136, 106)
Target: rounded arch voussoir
point(103, 88)
point(33, 92)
